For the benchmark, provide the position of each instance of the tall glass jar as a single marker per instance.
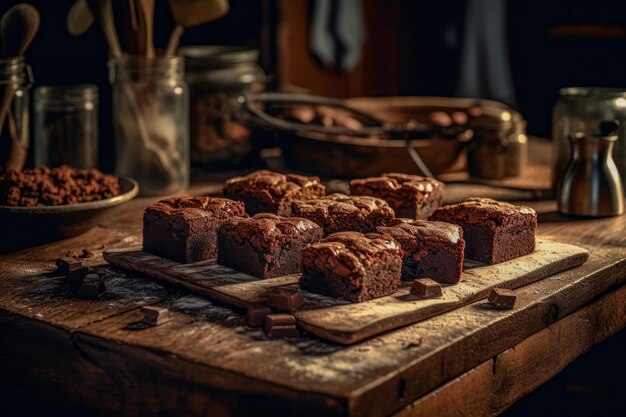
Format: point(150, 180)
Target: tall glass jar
point(581, 110)
point(151, 122)
point(218, 77)
point(66, 126)
point(15, 81)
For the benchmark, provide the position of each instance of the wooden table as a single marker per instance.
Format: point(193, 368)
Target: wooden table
point(470, 361)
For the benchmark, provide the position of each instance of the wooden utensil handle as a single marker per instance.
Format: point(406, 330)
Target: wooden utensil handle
point(174, 40)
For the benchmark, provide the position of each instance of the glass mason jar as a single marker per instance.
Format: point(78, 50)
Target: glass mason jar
point(151, 122)
point(499, 147)
point(218, 76)
point(580, 110)
point(66, 126)
point(15, 81)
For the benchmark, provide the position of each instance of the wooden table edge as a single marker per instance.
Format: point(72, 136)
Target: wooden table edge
point(498, 374)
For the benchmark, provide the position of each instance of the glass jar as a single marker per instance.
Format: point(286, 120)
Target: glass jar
point(66, 126)
point(499, 146)
point(151, 122)
point(218, 76)
point(15, 81)
point(580, 110)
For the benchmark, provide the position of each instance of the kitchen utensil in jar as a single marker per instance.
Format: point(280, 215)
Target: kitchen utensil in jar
point(188, 13)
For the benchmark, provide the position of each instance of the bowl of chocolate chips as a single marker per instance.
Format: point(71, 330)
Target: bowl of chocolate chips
point(44, 204)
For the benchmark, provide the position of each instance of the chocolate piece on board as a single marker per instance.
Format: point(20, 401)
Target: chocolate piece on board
point(426, 288)
point(502, 298)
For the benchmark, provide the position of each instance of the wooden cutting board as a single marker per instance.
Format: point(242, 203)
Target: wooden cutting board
point(348, 323)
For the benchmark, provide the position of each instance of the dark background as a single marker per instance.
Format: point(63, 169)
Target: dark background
point(404, 53)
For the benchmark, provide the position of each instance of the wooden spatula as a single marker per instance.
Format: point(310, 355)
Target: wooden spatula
point(188, 13)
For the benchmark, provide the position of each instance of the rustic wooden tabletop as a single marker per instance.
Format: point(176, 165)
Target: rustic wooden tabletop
point(470, 361)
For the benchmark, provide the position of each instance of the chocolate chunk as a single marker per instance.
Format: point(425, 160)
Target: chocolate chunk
point(280, 320)
point(285, 299)
point(280, 325)
point(283, 331)
point(91, 288)
point(64, 265)
point(502, 298)
point(75, 277)
point(155, 316)
point(74, 254)
point(426, 288)
point(256, 313)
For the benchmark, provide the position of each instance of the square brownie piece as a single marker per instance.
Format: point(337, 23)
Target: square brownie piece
point(411, 196)
point(342, 213)
point(184, 229)
point(352, 266)
point(265, 245)
point(493, 231)
point(271, 192)
point(430, 249)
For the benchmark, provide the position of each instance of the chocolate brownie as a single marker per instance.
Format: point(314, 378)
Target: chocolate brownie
point(493, 231)
point(430, 249)
point(411, 196)
point(184, 229)
point(341, 213)
point(265, 245)
point(271, 192)
point(352, 266)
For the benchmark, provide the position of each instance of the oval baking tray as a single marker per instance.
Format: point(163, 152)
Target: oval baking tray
point(334, 152)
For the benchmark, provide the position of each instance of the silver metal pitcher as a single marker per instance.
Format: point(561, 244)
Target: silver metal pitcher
point(591, 185)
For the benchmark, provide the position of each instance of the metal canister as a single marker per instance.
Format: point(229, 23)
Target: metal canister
point(591, 185)
point(218, 76)
point(579, 110)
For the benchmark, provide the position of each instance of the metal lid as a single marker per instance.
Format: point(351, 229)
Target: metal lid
point(583, 92)
point(208, 56)
point(67, 94)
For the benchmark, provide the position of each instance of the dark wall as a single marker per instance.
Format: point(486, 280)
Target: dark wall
point(542, 60)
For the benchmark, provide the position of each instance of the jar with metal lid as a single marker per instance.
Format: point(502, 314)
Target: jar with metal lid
point(579, 110)
point(15, 81)
point(218, 76)
point(499, 147)
point(66, 126)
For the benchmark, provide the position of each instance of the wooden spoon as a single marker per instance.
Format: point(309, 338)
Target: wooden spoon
point(19, 25)
point(147, 13)
point(188, 13)
point(103, 11)
point(80, 18)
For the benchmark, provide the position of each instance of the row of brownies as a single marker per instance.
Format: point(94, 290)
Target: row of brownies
point(354, 247)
